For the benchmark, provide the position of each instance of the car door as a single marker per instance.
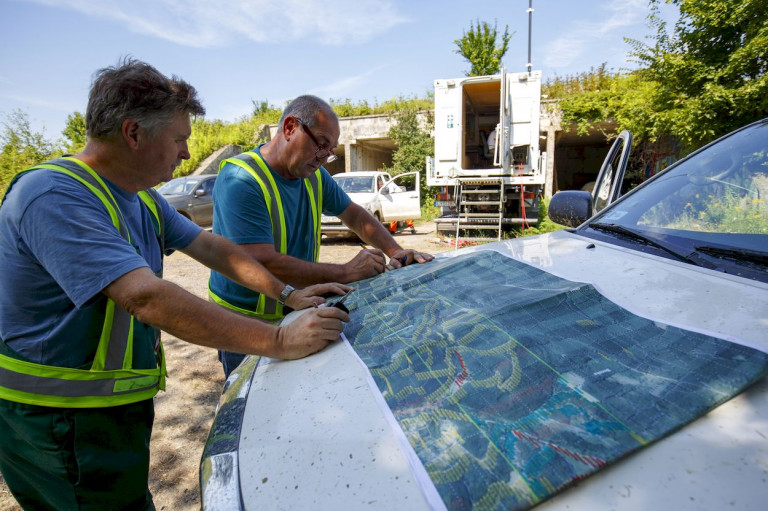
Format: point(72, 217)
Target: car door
point(608, 185)
point(400, 198)
point(202, 202)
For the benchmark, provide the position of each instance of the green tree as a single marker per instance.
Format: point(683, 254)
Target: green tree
point(480, 47)
point(74, 132)
point(709, 73)
point(412, 140)
point(21, 147)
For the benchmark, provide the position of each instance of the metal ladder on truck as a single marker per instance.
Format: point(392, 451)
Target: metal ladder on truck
point(480, 205)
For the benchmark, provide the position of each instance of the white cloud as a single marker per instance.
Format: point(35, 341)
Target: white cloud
point(206, 23)
point(582, 36)
point(346, 85)
point(34, 101)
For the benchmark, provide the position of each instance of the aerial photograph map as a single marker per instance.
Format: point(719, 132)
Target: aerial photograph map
point(509, 397)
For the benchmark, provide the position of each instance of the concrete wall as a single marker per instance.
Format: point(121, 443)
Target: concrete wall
point(210, 165)
point(364, 143)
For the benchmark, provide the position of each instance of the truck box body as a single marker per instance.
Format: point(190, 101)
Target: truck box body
point(486, 186)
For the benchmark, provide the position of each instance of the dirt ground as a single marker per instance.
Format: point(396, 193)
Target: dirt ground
point(183, 413)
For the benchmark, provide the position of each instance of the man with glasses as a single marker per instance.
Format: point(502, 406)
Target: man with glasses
point(270, 200)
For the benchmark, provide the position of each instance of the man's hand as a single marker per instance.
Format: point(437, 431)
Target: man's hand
point(407, 256)
point(312, 295)
point(312, 331)
point(368, 262)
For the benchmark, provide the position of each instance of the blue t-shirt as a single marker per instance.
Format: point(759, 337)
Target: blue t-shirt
point(59, 250)
point(240, 214)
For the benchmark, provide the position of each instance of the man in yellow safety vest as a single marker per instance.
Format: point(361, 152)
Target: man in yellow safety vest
point(270, 201)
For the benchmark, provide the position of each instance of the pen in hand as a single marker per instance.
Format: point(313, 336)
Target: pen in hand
point(403, 260)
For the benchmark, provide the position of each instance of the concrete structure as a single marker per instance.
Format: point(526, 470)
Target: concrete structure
point(364, 143)
point(210, 165)
point(573, 159)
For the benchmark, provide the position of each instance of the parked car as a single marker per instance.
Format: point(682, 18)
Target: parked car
point(619, 363)
point(192, 196)
point(385, 198)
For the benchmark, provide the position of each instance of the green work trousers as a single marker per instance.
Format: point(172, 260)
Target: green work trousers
point(77, 458)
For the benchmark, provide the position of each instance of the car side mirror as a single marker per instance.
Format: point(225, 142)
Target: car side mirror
point(570, 207)
point(199, 193)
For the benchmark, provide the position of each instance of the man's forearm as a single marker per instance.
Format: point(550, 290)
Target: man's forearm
point(170, 308)
point(369, 229)
point(234, 262)
point(300, 273)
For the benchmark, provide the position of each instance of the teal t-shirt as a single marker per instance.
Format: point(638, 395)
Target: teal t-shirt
point(240, 214)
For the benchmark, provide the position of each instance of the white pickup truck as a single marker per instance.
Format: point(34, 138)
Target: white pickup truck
point(385, 198)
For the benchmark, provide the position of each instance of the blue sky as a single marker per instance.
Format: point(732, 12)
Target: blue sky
point(234, 51)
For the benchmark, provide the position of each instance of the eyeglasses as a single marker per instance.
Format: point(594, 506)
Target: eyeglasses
point(324, 152)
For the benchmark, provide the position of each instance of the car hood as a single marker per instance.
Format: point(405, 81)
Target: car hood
point(313, 426)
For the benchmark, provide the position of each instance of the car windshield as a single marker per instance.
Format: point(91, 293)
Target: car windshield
point(711, 205)
point(178, 186)
point(357, 184)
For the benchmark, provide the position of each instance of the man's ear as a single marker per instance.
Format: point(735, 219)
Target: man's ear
point(130, 133)
point(290, 125)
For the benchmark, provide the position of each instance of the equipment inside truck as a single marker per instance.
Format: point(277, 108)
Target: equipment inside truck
point(481, 117)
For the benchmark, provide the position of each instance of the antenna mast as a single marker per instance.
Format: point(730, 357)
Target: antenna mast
point(530, 17)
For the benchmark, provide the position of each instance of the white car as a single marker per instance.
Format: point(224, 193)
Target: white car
point(617, 364)
point(385, 198)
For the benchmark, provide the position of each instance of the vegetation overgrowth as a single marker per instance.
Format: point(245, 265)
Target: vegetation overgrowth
point(22, 147)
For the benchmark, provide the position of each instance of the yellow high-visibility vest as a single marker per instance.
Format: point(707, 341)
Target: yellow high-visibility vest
point(111, 380)
point(268, 308)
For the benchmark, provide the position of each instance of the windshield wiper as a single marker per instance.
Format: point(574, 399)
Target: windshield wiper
point(742, 254)
point(620, 229)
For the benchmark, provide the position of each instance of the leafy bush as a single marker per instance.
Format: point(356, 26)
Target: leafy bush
point(21, 147)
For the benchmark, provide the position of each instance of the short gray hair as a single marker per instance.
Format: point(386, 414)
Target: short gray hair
point(306, 108)
point(135, 90)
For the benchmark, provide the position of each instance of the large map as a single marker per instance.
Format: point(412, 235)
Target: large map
point(511, 391)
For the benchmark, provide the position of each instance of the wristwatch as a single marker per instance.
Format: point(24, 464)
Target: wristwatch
point(285, 293)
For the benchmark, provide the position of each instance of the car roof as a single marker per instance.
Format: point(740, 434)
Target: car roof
point(199, 177)
point(360, 173)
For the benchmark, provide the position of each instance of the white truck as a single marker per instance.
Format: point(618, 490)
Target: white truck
point(482, 185)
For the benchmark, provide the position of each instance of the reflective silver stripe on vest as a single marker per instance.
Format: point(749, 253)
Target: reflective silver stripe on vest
point(118, 339)
point(74, 388)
